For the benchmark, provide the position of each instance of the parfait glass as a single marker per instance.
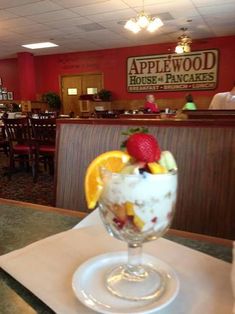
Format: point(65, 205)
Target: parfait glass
point(137, 208)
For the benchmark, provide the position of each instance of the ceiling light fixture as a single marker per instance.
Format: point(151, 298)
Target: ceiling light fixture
point(143, 21)
point(40, 45)
point(184, 42)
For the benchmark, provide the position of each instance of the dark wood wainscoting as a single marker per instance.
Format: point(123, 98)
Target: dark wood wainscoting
point(205, 153)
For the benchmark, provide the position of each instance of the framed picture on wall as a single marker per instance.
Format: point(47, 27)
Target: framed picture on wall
point(10, 95)
point(0, 96)
point(4, 96)
point(0, 81)
point(72, 91)
point(4, 90)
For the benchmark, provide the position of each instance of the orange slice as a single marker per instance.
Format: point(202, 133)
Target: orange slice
point(114, 161)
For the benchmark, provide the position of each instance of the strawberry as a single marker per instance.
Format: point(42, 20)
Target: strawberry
point(143, 147)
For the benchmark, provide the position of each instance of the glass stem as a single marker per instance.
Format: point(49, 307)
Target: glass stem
point(134, 254)
point(134, 264)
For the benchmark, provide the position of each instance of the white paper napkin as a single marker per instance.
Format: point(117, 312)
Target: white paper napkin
point(46, 268)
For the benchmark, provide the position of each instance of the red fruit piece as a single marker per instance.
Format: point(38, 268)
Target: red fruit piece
point(119, 211)
point(119, 223)
point(154, 220)
point(143, 147)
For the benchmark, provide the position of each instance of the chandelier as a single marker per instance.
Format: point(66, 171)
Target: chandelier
point(184, 42)
point(143, 21)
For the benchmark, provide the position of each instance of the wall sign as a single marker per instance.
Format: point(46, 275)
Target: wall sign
point(72, 91)
point(91, 90)
point(173, 72)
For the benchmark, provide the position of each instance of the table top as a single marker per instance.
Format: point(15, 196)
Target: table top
point(22, 224)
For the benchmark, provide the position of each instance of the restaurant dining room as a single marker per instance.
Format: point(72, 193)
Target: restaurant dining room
point(117, 156)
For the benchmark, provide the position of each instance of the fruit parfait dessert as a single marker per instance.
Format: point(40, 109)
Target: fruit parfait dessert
point(135, 190)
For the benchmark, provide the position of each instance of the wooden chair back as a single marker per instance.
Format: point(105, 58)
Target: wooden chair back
point(17, 130)
point(44, 130)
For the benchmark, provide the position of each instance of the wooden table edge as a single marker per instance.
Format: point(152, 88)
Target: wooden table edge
point(62, 211)
point(201, 237)
point(80, 214)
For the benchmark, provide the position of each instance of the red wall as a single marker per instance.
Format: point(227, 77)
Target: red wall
point(9, 75)
point(26, 71)
point(112, 62)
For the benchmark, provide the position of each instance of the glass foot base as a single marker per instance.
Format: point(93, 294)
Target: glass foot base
point(136, 284)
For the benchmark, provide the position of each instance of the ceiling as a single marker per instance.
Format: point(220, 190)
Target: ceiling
point(81, 25)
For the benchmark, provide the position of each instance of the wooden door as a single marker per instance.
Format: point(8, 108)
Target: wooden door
point(71, 89)
point(75, 85)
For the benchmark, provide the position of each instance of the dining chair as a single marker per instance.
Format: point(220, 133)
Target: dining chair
point(4, 145)
point(44, 135)
point(21, 148)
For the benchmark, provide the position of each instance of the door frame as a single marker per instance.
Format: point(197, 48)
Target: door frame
point(79, 74)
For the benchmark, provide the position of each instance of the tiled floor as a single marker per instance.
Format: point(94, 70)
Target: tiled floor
point(22, 188)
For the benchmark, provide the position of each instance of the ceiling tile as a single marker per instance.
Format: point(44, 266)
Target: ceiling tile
point(65, 23)
point(103, 7)
point(220, 22)
point(177, 9)
point(74, 47)
point(198, 34)
point(113, 26)
point(221, 32)
point(4, 15)
point(218, 10)
point(76, 3)
point(15, 23)
point(4, 4)
point(53, 16)
point(34, 27)
point(139, 3)
point(172, 27)
point(71, 31)
point(91, 27)
point(201, 3)
point(35, 8)
point(156, 40)
point(113, 16)
point(99, 36)
point(46, 35)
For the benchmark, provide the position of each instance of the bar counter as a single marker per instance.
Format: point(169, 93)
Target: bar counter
point(204, 150)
